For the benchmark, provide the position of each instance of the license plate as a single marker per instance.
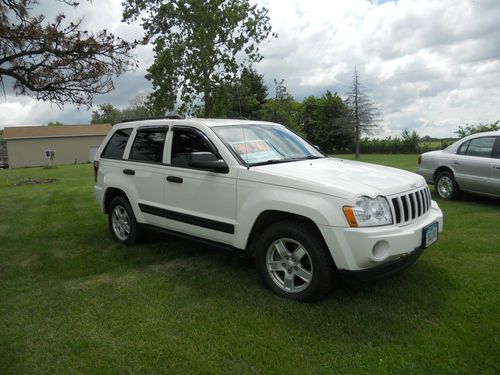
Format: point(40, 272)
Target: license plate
point(429, 235)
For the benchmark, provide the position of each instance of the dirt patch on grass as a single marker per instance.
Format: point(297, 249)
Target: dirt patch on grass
point(30, 181)
point(27, 262)
point(175, 265)
point(99, 280)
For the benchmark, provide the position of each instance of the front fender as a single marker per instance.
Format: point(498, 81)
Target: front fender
point(252, 201)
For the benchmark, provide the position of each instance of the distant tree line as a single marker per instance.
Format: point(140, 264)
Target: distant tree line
point(406, 143)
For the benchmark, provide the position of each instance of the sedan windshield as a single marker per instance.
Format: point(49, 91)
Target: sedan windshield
point(265, 144)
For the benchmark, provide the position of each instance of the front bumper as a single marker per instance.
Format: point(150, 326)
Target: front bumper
point(427, 174)
point(383, 271)
point(363, 249)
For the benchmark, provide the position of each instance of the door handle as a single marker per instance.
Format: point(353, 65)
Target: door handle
point(174, 179)
point(456, 163)
point(130, 172)
point(496, 166)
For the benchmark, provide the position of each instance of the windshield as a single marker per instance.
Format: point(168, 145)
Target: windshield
point(265, 144)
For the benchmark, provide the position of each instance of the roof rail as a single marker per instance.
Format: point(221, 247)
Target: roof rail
point(169, 117)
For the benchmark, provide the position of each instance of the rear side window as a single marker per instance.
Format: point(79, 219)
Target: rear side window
point(463, 148)
point(148, 144)
point(116, 145)
point(482, 147)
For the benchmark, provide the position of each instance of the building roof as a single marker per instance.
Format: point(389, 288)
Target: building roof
point(18, 132)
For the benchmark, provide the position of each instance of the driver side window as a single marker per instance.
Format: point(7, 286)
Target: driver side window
point(185, 142)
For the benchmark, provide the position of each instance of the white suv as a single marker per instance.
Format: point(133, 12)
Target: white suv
point(258, 188)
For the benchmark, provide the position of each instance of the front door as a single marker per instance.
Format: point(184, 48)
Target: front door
point(200, 203)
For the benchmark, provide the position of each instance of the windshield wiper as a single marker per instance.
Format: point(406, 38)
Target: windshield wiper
point(271, 161)
point(277, 161)
point(311, 157)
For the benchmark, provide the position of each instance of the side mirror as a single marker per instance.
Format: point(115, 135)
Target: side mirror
point(208, 161)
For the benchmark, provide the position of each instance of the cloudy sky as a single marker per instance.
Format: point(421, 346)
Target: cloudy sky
point(430, 65)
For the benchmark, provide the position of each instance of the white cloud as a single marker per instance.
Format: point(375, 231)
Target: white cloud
point(431, 65)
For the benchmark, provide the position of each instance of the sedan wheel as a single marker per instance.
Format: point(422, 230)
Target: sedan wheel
point(446, 186)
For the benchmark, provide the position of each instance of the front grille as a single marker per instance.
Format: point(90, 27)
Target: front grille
point(410, 206)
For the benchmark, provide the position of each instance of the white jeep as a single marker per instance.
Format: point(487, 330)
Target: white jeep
point(258, 188)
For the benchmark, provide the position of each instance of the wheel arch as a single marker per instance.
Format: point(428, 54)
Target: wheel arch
point(110, 194)
point(270, 217)
point(441, 169)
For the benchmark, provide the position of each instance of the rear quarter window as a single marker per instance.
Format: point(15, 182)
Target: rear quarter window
point(116, 144)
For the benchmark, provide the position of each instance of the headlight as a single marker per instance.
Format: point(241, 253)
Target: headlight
point(369, 212)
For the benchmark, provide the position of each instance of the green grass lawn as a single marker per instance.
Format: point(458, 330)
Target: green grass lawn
point(74, 301)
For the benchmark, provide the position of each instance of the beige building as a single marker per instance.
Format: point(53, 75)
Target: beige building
point(30, 146)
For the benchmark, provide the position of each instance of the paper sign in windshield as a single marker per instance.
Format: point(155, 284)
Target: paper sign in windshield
point(256, 151)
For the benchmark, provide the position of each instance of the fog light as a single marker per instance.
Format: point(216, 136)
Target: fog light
point(380, 250)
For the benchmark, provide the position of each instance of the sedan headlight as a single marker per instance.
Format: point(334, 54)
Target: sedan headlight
point(369, 212)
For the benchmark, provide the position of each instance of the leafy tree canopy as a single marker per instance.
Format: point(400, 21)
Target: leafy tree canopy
point(57, 61)
point(109, 114)
point(242, 98)
point(464, 131)
point(199, 46)
point(283, 109)
point(323, 119)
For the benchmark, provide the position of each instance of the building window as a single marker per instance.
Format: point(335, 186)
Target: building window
point(50, 154)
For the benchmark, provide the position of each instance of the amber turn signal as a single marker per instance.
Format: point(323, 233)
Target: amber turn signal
point(349, 215)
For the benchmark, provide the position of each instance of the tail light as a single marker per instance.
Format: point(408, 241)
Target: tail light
point(419, 160)
point(96, 169)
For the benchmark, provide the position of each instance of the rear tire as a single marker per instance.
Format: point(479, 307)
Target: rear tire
point(446, 186)
point(122, 223)
point(293, 261)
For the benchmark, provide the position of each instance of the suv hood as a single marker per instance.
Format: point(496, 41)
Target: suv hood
point(338, 177)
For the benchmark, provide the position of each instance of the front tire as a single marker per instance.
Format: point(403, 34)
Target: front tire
point(293, 261)
point(122, 223)
point(446, 186)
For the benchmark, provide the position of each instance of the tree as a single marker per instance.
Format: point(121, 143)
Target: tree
point(283, 109)
point(56, 62)
point(464, 131)
point(196, 43)
point(242, 98)
point(106, 114)
point(323, 119)
point(410, 141)
point(364, 116)
point(54, 123)
point(109, 114)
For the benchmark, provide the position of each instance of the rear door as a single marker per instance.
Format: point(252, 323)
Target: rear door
point(145, 171)
point(200, 203)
